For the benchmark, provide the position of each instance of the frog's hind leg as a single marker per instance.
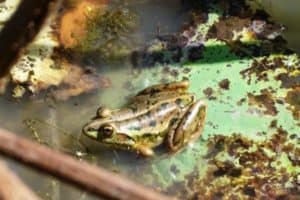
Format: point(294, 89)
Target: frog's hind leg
point(189, 128)
point(180, 86)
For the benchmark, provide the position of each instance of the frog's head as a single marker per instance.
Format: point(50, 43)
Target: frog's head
point(103, 129)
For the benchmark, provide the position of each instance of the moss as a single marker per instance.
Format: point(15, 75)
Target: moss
point(108, 33)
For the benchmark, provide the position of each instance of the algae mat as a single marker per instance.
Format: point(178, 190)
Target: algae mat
point(251, 142)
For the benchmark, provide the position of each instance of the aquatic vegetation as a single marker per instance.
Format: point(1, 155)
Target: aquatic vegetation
point(73, 22)
point(237, 60)
point(108, 34)
point(240, 168)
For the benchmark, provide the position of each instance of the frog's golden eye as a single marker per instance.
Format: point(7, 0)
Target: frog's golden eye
point(103, 112)
point(106, 131)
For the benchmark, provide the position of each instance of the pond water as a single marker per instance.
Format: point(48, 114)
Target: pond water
point(54, 122)
point(59, 123)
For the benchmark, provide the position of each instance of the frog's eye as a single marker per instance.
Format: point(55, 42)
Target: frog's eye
point(103, 112)
point(106, 131)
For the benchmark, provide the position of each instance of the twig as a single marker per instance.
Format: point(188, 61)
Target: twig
point(11, 187)
point(79, 173)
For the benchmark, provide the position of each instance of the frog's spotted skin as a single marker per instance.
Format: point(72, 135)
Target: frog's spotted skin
point(161, 113)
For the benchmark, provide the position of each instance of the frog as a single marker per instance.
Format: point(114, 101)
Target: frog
point(162, 114)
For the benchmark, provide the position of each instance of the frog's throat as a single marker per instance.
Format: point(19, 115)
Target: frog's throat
point(113, 141)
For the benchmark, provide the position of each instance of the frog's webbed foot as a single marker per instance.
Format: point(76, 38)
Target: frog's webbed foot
point(189, 128)
point(173, 86)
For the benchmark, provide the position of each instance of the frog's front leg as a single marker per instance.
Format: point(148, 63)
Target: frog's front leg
point(144, 150)
point(189, 128)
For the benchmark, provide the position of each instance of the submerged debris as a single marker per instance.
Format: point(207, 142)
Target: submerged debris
point(247, 32)
point(209, 93)
point(168, 71)
point(183, 46)
point(240, 168)
point(224, 29)
point(69, 79)
point(18, 91)
point(281, 68)
point(288, 79)
point(264, 100)
point(37, 75)
point(244, 29)
point(224, 84)
point(293, 99)
point(79, 81)
point(262, 66)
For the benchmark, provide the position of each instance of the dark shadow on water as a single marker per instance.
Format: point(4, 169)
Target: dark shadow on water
point(226, 52)
point(174, 54)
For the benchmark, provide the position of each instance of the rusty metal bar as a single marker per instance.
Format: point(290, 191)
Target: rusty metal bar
point(79, 173)
point(11, 187)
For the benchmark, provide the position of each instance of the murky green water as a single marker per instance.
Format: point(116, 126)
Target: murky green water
point(56, 121)
point(59, 123)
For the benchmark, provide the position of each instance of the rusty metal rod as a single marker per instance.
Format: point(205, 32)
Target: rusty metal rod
point(79, 173)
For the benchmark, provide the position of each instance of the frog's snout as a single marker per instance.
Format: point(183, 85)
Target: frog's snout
point(85, 129)
point(89, 131)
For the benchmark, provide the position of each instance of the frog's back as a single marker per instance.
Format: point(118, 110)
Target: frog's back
point(157, 119)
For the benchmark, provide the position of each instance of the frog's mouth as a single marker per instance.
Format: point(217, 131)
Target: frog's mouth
point(117, 140)
point(90, 132)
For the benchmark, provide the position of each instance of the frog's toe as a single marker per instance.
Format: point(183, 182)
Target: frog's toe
point(145, 151)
